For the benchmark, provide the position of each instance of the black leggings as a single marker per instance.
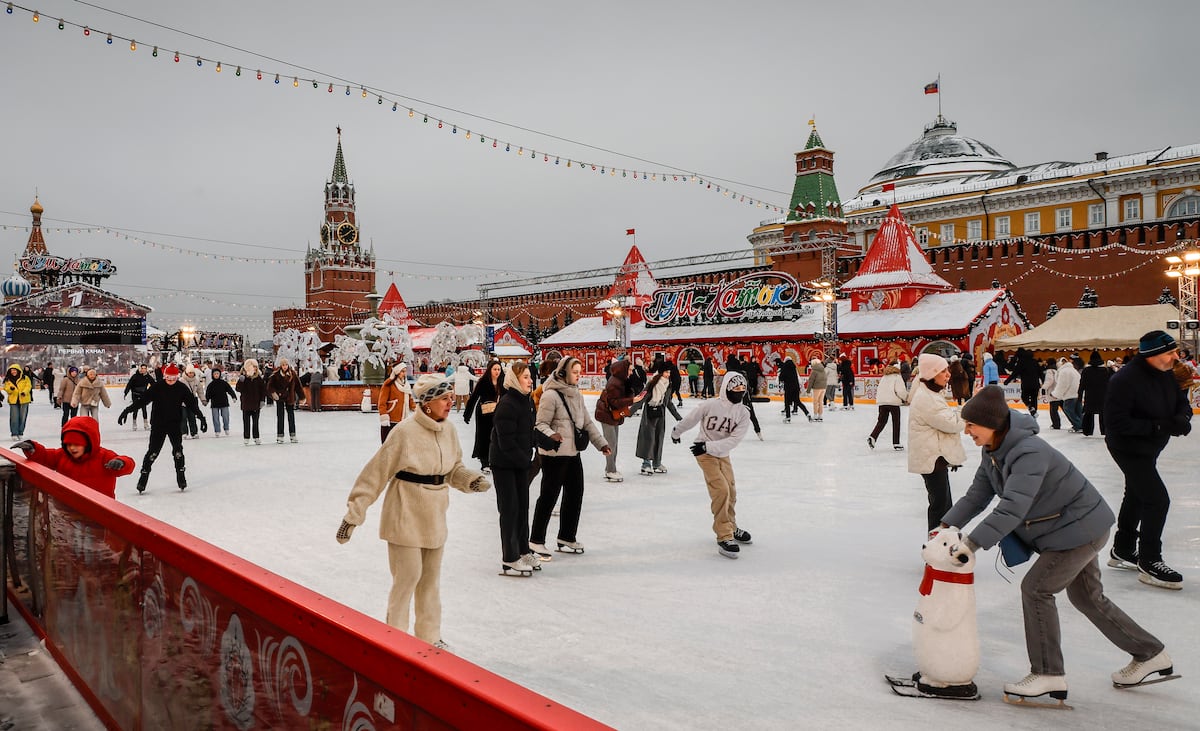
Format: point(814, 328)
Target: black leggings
point(250, 424)
point(937, 486)
point(886, 412)
point(565, 474)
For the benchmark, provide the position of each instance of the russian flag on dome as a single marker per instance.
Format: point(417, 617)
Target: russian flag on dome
point(932, 87)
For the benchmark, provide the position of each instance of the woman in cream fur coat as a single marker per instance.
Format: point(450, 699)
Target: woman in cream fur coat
point(934, 434)
point(420, 459)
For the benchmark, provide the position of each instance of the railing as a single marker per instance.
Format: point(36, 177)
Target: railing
point(159, 629)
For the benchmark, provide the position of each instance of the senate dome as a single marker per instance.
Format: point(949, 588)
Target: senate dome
point(938, 154)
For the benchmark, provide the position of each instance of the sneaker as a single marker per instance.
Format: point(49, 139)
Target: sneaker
point(871, 442)
point(1136, 672)
point(1127, 560)
point(226, 432)
point(1157, 573)
point(1034, 685)
point(660, 470)
point(646, 470)
point(742, 536)
point(540, 551)
point(818, 419)
point(614, 477)
point(728, 549)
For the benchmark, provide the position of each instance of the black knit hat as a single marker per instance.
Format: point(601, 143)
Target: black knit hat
point(1156, 342)
point(987, 408)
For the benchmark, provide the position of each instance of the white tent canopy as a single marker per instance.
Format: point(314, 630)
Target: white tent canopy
point(1095, 327)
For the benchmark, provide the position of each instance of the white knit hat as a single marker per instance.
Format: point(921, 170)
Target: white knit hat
point(432, 386)
point(929, 365)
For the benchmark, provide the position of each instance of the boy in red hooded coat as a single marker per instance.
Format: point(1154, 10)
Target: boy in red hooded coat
point(81, 457)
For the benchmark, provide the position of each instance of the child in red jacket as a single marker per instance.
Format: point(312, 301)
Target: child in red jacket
point(81, 457)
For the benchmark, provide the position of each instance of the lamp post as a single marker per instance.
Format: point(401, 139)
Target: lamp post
point(1185, 267)
point(187, 337)
point(824, 292)
point(617, 309)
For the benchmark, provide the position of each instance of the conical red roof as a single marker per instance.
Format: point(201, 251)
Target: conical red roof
point(393, 304)
point(894, 260)
point(634, 279)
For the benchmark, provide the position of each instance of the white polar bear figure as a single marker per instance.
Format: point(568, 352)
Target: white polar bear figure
point(945, 635)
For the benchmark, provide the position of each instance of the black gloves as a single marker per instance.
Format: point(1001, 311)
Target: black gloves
point(676, 440)
point(698, 449)
point(124, 415)
point(114, 464)
point(1181, 426)
point(24, 446)
point(203, 422)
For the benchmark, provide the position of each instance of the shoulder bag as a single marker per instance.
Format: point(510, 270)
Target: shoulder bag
point(581, 435)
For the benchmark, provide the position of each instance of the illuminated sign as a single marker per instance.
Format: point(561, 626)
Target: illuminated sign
point(84, 267)
point(757, 297)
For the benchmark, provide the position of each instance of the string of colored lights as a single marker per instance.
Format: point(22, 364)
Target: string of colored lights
point(385, 99)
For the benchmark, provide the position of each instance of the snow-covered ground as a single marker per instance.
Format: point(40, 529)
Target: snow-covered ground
point(651, 628)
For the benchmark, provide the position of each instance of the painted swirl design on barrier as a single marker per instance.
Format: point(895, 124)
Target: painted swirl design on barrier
point(198, 614)
point(283, 667)
point(357, 717)
point(237, 676)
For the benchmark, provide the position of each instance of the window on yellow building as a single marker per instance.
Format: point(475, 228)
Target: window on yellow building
point(1096, 214)
point(1187, 206)
point(1133, 209)
point(974, 230)
point(1062, 219)
point(1033, 223)
point(947, 234)
point(1003, 227)
point(923, 236)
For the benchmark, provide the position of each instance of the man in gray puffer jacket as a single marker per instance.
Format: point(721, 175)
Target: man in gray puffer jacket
point(1051, 507)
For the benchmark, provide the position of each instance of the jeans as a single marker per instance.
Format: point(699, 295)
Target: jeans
point(1055, 408)
point(220, 414)
point(86, 410)
point(69, 411)
point(250, 423)
point(18, 414)
point(1071, 409)
point(611, 433)
point(1077, 571)
point(280, 408)
point(187, 422)
point(1144, 508)
point(314, 399)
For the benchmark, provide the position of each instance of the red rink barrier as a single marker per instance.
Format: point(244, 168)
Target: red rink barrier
point(159, 629)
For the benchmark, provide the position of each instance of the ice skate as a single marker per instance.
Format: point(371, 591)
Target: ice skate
point(728, 549)
point(279, 439)
point(646, 470)
point(742, 536)
point(759, 435)
point(246, 442)
point(914, 688)
point(1157, 573)
point(135, 425)
point(1137, 672)
point(532, 561)
point(787, 420)
point(141, 483)
point(257, 440)
point(515, 568)
point(1127, 560)
point(540, 550)
point(294, 439)
point(898, 447)
point(871, 442)
point(1034, 686)
point(145, 425)
point(614, 477)
point(181, 479)
point(569, 546)
point(660, 470)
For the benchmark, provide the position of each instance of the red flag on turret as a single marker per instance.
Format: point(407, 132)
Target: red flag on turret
point(888, 187)
point(629, 232)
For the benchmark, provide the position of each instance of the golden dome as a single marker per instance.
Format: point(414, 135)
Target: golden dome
point(36, 208)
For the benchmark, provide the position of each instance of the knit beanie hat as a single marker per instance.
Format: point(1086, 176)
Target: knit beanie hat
point(432, 386)
point(987, 408)
point(1156, 342)
point(1095, 359)
point(929, 365)
point(171, 370)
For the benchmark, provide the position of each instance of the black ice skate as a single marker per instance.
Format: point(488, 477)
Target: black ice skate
point(142, 480)
point(728, 549)
point(742, 536)
point(914, 688)
point(1127, 560)
point(1157, 573)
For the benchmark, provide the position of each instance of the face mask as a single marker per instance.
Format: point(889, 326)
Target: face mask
point(735, 397)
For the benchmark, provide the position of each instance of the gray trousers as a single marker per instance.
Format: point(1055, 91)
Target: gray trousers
point(1077, 571)
point(610, 435)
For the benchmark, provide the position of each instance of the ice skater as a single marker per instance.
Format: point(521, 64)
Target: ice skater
point(1047, 504)
point(167, 398)
point(723, 422)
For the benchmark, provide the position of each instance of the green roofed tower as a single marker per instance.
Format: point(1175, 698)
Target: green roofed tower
point(814, 194)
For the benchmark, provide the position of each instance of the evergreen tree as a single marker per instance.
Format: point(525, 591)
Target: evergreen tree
point(1166, 298)
point(1052, 311)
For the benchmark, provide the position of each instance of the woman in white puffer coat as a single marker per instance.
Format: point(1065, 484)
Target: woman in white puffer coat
point(934, 434)
point(891, 394)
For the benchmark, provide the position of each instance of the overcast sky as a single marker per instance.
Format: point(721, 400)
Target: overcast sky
point(235, 167)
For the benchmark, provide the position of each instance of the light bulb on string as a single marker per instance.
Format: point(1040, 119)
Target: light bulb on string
point(347, 90)
point(295, 82)
point(494, 143)
point(218, 67)
point(109, 40)
point(455, 130)
point(259, 75)
point(154, 53)
point(9, 9)
point(439, 124)
point(177, 57)
point(61, 24)
point(316, 85)
point(364, 92)
point(199, 62)
point(468, 134)
point(410, 113)
point(276, 78)
point(36, 16)
point(425, 120)
point(507, 147)
point(380, 100)
point(330, 89)
point(238, 72)
point(86, 30)
point(132, 45)
point(394, 105)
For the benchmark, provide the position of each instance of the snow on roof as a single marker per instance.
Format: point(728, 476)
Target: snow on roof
point(895, 260)
point(943, 312)
point(510, 351)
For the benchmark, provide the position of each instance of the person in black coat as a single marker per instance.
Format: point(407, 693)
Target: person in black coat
point(1029, 373)
point(676, 383)
point(845, 371)
point(139, 382)
point(1143, 408)
point(167, 398)
point(480, 406)
point(510, 455)
point(1093, 387)
point(709, 378)
point(789, 378)
point(217, 394)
